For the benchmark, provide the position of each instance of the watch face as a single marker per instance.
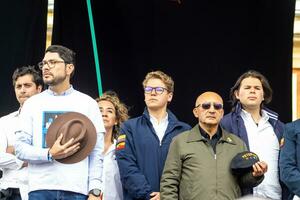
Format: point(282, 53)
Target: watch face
point(96, 192)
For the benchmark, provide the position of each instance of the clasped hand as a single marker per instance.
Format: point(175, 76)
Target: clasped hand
point(60, 151)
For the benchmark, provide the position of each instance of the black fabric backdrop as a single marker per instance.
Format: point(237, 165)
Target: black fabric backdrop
point(203, 45)
point(22, 40)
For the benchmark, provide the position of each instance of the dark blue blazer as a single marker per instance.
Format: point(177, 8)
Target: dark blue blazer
point(289, 161)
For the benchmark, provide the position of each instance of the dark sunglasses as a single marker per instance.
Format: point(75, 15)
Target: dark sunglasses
point(207, 105)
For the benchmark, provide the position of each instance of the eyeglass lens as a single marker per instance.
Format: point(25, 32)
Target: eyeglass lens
point(50, 63)
point(158, 90)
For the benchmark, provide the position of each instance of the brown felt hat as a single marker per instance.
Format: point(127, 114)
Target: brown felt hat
point(73, 125)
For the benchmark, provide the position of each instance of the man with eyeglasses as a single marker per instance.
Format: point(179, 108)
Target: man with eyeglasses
point(198, 162)
point(144, 142)
point(27, 81)
point(49, 179)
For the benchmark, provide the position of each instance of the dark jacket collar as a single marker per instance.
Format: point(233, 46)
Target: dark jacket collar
point(273, 116)
point(171, 117)
point(238, 126)
point(195, 135)
point(172, 120)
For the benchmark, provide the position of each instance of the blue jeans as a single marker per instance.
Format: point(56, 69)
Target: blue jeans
point(55, 195)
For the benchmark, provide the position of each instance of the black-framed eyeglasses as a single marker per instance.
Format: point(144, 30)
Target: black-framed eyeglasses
point(158, 90)
point(50, 63)
point(207, 105)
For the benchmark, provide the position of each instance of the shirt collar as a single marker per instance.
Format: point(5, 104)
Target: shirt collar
point(245, 113)
point(264, 115)
point(196, 136)
point(16, 113)
point(163, 120)
point(67, 92)
point(204, 134)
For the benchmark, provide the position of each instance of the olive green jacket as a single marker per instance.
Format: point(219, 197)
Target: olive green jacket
point(194, 172)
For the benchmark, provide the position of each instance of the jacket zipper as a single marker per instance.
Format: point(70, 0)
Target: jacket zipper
point(216, 169)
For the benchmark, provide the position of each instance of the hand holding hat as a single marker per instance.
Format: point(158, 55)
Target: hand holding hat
point(60, 151)
point(259, 168)
point(71, 137)
point(247, 161)
point(248, 168)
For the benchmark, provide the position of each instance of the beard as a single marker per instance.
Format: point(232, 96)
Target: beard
point(55, 80)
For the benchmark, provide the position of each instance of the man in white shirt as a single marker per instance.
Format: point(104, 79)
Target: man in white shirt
point(48, 178)
point(27, 82)
point(258, 127)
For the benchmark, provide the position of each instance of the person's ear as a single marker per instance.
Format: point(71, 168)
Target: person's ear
point(195, 111)
point(70, 68)
point(39, 88)
point(236, 94)
point(170, 97)
point(222, 113)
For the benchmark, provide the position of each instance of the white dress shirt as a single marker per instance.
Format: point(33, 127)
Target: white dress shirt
point(160, 128)
point(263, 141)
point(14, 176)
point(112, 186)
point(296, 197)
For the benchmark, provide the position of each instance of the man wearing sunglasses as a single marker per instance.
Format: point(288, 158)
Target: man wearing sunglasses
point(259, 127)
point(198, 162)
point(144, 142)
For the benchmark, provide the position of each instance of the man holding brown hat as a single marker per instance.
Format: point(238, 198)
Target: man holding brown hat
point(61, 139)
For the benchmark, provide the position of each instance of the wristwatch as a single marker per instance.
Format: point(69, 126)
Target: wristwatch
point(95, 192)
point(50, 156)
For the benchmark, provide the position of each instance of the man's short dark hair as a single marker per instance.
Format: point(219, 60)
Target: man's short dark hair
point(268, 92)
point(65, 53)
point(28, 70)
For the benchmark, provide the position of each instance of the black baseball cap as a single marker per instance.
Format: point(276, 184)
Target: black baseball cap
point(242, 162)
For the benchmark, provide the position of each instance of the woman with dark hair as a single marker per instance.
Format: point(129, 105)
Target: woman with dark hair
point(258, 127)
point(114, 112)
